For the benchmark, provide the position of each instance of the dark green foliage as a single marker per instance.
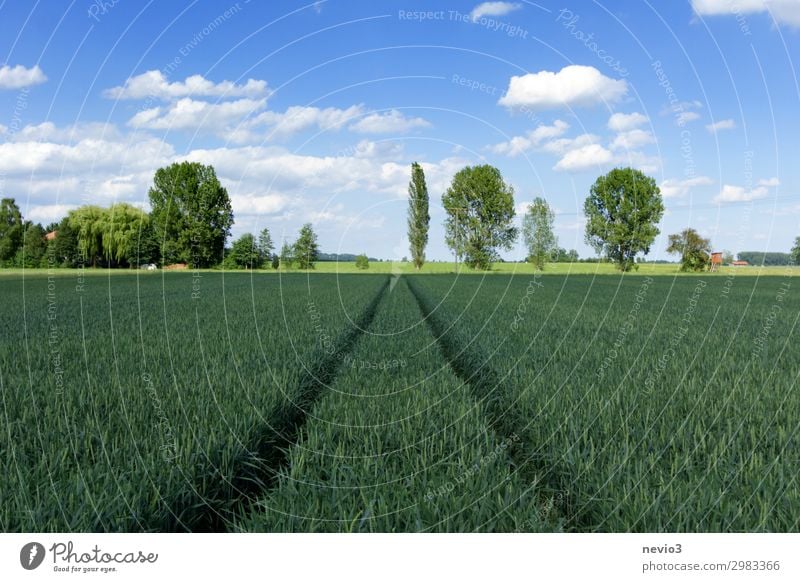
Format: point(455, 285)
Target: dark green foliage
point(623, 210)
point(286, 258)
point(244, 253)
point(362, 262)
point(265, 245)
point(11, 228)
point(693, 249)
point(192, 213)
point(537, 231)
point(766, 259)
point(480, 214)
point(418, 215)
point(306, 248)
point(34, 247)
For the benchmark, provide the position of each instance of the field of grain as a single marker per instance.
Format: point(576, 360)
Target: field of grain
point(213, 401)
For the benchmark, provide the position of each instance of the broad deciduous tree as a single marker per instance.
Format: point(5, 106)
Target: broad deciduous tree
point(623, 210)
point(191, 212)
point(480, 211)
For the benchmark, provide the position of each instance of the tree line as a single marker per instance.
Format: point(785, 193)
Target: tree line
point(191, 216)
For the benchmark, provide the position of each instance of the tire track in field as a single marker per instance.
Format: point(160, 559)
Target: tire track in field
point(214, 504)
point(491, 392)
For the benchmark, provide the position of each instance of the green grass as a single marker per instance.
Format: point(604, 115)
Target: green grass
point(214, 401)
point(438, 268)
point(652, 405)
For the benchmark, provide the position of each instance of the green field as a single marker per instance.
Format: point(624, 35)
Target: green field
point(229, 401)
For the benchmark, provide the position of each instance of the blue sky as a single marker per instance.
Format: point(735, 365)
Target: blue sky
point(315, 111)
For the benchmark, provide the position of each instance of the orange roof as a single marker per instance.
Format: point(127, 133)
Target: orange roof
point(51, 235)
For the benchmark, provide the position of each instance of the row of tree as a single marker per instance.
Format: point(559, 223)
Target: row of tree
point(623, 209)
point(249, 252)
point(191, 218)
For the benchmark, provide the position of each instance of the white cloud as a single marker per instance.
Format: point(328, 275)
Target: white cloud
point(626, 121)
point(565, 144)
point(783, 11)
point(632, 139)
point(378, 150)
point(189, 114)
point(47, 213)
point(572, 86)
point(493, 9)
point(738, 194)
point(674, 188)
point(639, 160)
point(154, 85)
point(520, 144)
point(242, 121)
point(391, 122)
point(259, 204)
point(299, 118)
point(584, 158)
point(685, 117)
point(18, 77)
point(721, 125)
point(48, 131)
point(770, 183)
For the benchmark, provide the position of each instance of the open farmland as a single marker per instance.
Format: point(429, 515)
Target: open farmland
point(288, 402)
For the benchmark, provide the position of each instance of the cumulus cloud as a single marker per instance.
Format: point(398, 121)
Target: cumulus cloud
point(299, 118)
point(738, 194)
point(685, 117)
point(584, 158)
point(683, 111)
point(721, 125)
point(390, 122)
point(493, 9)
point(48, 131)
point(783, 11)
point(520, 144)
point(572, 86)
point(626, 121)
point(154, 85)
point(190, 114)
point(242, 121)
point(19, 77)
point(632, 139)
point(674, 188)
